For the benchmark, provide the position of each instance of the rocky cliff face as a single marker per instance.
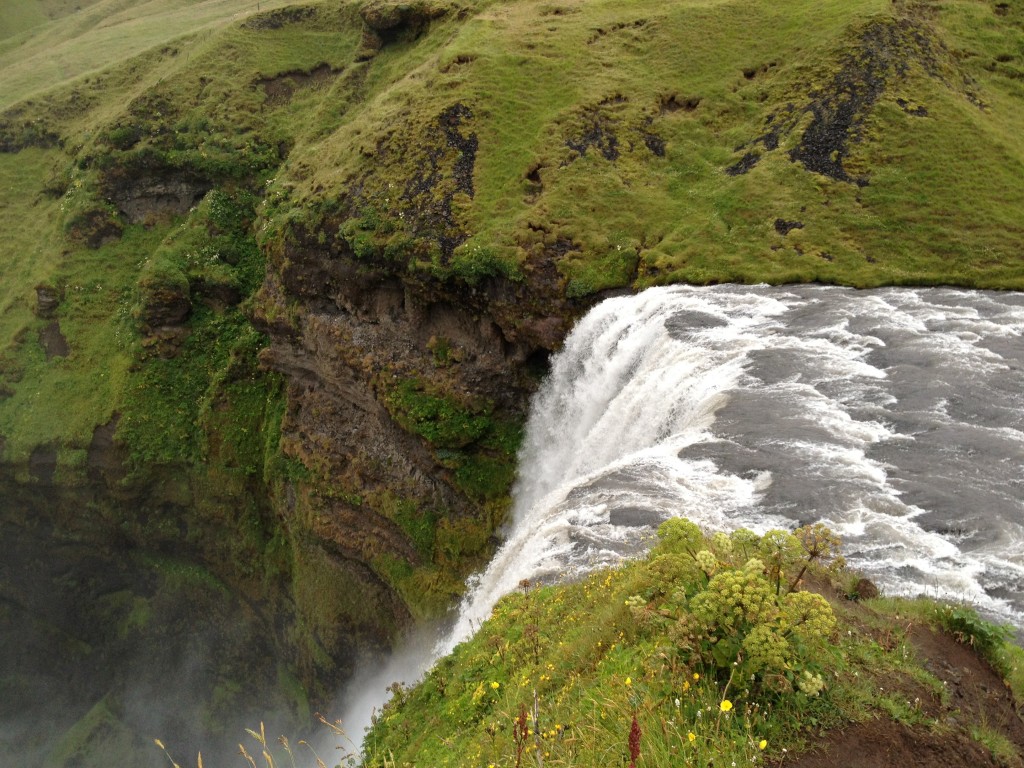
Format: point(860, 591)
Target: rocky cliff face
point(404, 398)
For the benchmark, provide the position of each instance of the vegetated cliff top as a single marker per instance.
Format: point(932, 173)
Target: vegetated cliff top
point(711, 652)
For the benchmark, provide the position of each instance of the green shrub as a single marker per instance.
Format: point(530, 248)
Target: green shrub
point(964, 624)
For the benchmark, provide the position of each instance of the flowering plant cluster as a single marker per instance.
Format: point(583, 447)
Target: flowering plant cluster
point(734, 601)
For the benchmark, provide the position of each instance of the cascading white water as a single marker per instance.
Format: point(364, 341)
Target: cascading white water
point(895, 416)
point(623, 398)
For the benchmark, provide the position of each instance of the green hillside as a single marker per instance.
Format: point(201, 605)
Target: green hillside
point(582, 145)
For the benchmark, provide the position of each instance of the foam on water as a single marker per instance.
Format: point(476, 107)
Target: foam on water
point(826, 372)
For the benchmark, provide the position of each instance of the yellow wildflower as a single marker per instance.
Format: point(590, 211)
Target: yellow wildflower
point(725, 706)
point(762, 744)
point(495, 685)
point(629, 681)
point(691, 736)
point(696, 676)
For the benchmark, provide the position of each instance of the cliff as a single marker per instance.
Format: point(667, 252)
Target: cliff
point(278, 284)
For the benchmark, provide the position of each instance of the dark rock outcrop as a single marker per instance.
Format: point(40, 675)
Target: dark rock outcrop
point(148, 198)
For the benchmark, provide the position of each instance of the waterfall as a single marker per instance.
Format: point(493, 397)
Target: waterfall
point(895, 416)
point(768, 407)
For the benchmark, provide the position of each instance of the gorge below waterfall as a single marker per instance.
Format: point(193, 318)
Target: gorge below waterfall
point(894, 416)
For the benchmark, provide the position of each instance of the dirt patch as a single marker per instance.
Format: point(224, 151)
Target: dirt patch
point(976, 690)
point(625, 25)
point(784, 227)
point(674, 103)
point(977, 697)
point(279, 18)
point(886, 744)
point(749, 73)
point(53, 341)
point(535, 185)
point(597, 131)
point(48, 298)
point(446, 171)
point(281, 88)
point(105, 457)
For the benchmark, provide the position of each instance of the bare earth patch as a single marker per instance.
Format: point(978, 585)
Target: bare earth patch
point(977, 698)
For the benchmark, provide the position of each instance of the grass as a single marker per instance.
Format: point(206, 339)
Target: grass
point(601, 137)
point(103, 33)
point(934, 211)
point(32, 241)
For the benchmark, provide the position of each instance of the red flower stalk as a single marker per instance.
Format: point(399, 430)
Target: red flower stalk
point(520, 731)
point(634, 742)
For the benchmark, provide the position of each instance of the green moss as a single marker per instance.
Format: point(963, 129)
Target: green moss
point(485, 477)
point(616, 270)
point(441, 420)
point(179, 575)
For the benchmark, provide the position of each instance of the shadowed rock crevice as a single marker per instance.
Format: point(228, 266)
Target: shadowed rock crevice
point(389, 23)
point(145, 199)
point(42, 464)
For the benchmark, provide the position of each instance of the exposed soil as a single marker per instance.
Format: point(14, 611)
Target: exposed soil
point(449, 160)
point(280, 88)
point(784, 227)
point(624, 25)
point(53, 341)
point(279, 18)
point(977, 698)
point(673, 103)
point(598, 131)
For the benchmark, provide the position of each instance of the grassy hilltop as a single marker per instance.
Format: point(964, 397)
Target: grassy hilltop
point(277, 278)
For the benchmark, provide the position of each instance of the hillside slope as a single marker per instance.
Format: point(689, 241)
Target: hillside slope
point(279, 278)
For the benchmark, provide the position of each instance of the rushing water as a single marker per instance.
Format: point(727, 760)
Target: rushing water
point(895, 416)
